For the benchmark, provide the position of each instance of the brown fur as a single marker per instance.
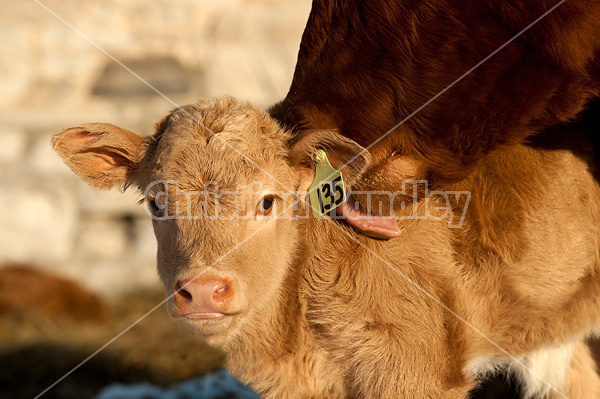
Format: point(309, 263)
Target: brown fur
point(582, 379)
point(364, 66)
point(323, 312)
point(25, 289)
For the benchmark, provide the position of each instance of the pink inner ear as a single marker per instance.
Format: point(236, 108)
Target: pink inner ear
point(104, 162)
point(373, 226)
point(83, 138)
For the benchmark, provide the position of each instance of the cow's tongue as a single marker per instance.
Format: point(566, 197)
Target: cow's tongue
point(376, 227)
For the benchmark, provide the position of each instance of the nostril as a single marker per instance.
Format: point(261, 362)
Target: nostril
point(185, 294)
point(222, 290)
point(180, 290)
point(222, 293)
point(202, 295)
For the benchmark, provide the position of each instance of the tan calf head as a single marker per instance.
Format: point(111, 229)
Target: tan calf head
point(221, 180)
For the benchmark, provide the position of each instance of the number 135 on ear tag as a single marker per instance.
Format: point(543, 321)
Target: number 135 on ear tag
point(327, 191)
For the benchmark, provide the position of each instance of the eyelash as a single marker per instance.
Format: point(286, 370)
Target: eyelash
point(153, 207)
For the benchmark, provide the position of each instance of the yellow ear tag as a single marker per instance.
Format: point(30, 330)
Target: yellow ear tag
point(327, 191)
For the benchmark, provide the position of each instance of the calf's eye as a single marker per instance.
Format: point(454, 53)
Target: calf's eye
point(265, 205)
point(154, 207)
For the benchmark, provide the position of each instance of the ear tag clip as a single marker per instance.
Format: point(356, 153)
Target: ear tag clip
point(327, 191)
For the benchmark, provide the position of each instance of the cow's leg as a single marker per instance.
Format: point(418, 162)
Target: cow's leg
point(389, 370)
point(559, 371)
point(582, 380)
point(543, 373)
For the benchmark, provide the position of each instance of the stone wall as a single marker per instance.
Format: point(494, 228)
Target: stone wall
point(53, 75)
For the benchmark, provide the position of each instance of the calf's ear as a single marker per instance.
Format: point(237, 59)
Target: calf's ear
point(102, 155)
point(352, 160)
point(344, 154)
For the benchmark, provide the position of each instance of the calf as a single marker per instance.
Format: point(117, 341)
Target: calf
point(308, 308)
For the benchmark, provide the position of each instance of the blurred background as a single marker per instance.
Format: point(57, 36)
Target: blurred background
point(62, 243)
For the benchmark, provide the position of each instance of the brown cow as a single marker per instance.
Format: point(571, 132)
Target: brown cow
point(308, 308)
point(364, 66)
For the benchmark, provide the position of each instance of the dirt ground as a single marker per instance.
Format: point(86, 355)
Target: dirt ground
point(36, 350)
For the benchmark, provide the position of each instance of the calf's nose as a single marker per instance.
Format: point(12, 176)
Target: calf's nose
point(202, 296)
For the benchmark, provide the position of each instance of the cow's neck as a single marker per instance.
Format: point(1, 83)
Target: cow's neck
point(280, 339)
